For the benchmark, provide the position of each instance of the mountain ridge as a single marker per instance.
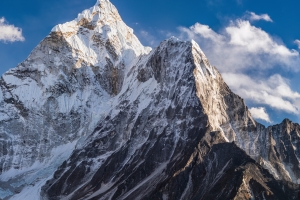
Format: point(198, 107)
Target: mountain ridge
point(132, 122)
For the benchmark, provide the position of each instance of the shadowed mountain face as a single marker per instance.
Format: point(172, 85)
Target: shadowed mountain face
point(93, 114)
point(174, 147)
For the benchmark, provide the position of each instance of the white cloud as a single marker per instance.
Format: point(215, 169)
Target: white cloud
point(245, 55)
point(254, 17)
point(241, 46)
point(273, 91)
point(10, 33)
point(297, 42)
point(260, 113)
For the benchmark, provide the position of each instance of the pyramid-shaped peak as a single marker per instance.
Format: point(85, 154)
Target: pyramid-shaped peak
point(103, 10)
point(101, 14)
point(101, 26)
point(105, 6)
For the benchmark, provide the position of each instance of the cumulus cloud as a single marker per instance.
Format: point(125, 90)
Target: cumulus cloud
point(241, 46)
point(10, 33)
point(274, 91)
point(297, 42)
point(254, 17)
point(245, 54)
point(260, 113)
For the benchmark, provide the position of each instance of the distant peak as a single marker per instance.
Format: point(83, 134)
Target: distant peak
point(286, 121)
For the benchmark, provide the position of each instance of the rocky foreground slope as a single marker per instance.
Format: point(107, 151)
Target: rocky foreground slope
point(93, 114)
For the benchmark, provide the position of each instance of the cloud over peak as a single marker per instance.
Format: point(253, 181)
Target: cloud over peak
point(241, 46)
point(10, 33)
point(245, 55)
point(274, 91)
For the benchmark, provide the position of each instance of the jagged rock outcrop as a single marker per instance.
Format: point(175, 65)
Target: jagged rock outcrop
point(167, 149)
point(50, 98)
point(62, 90)
point(280, 151)
point(93, 114)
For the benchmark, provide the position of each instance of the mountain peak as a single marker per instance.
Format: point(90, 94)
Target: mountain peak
point(93, 114)
point(101, 26)
point(102, 13)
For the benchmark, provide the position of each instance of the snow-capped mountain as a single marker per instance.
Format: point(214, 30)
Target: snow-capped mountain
point(93, 114)
point(66, 85)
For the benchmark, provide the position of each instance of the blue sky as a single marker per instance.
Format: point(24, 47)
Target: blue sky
point(253, 43)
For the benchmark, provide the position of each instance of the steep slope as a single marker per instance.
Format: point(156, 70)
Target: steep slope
point(133, 123)
point(172, 148)
point(279, 150)
point(79, 65)
point(63, 89)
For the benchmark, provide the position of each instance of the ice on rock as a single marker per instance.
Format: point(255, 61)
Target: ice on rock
point(64, 88)
point(91, 90)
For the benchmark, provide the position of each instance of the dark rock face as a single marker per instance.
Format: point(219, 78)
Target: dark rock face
point(225, 172)
point(142, 144)
point(60, 93)
point(283, 149)
point(147, 125)
point(54, 96)
point(170, 149)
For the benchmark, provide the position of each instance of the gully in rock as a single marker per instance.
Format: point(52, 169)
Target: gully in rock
point(93, 114)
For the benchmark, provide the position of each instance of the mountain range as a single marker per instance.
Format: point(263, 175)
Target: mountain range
point(93, 114)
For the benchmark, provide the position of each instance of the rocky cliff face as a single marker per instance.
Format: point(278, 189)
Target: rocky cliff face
point(133, 123)
point(62, 90)
point(280, 149)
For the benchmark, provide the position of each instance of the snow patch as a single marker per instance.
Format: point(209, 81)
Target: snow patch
point(34, 177)
point(5, 193)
